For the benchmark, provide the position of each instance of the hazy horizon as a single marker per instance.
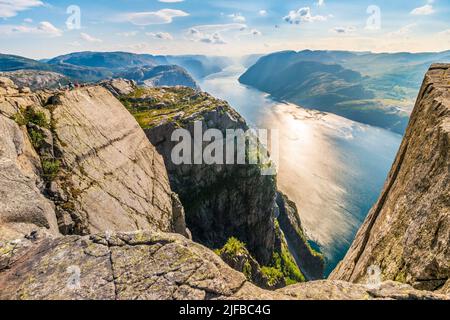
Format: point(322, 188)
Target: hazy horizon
point(234, 56)
point(222, 28)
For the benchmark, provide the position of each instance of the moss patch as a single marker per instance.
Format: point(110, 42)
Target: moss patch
point(30, 115)
point(51, 168)
point(152, 106)
point(233, 247)
point(37, 138)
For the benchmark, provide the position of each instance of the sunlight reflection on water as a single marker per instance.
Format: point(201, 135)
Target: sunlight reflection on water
point(331, 167)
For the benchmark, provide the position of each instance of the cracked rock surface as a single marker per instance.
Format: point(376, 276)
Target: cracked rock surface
point(149, 265)
point(113, 176)
point(23, 208)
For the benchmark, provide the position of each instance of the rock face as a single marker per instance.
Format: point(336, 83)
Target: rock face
point(310, 262)
point(36, 80)
point(220, 201)
point(22, 206)
point(150, 266)
point(93, 162)
point(112, 178)
point(407, 233)
point(119, 87)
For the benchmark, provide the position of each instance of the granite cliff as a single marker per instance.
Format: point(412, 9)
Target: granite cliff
point(83, 160)
point(221, 200)
point(407, 232)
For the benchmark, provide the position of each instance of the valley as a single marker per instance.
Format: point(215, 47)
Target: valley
point(326, 161)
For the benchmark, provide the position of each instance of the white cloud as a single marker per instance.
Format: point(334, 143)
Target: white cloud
point(262, 13)
point(320, 3)
point(28, 20)
point(10, 8)
point(163, 16)
point(256, 32)
point(402, 31)
point(237, 17)
point(212, 38)
point(423, 11)
point(160, 35)
point(47, 28)
point(253, 32)
point(344, 30)
point(213, 34)
point(89, 38)
point(44, 28)
point(302, 15)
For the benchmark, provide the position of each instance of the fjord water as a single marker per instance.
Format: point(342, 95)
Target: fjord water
point(331, 167)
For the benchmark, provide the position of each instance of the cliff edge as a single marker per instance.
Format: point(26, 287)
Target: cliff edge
point(407, 233)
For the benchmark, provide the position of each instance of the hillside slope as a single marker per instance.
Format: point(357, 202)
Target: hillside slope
point(375, 89)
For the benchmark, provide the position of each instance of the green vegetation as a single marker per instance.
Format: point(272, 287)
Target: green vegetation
point(152, 106)
point(36, 117)
point(283, 262)
point(37, 138)
point(51, 168)
point(233, 247)
point(282, 269)
point(247, 270)
point(273, 275)
point(31, 116)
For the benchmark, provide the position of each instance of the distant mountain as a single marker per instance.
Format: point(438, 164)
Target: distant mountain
point(249, 60)
point(75, 72)
point(200, 66)
point(159, 76)
point(96, 66)
point(197, 65)
point(108, 60)
point(377, 89)
point(12, 63)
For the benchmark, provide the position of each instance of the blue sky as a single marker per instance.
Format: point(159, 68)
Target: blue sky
point(39, 29)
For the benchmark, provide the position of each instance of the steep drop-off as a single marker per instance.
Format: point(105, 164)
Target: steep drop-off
point(87, 155)
point(221, 201)
point(407, 233)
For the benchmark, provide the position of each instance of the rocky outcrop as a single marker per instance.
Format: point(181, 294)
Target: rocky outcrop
point(111, 178)
point(23, 208)
point(150, 266)
point(119, 87)
point(407, 232)
point(221, 201)
point(310, 262)
point(36, 80)
point(93, 162)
